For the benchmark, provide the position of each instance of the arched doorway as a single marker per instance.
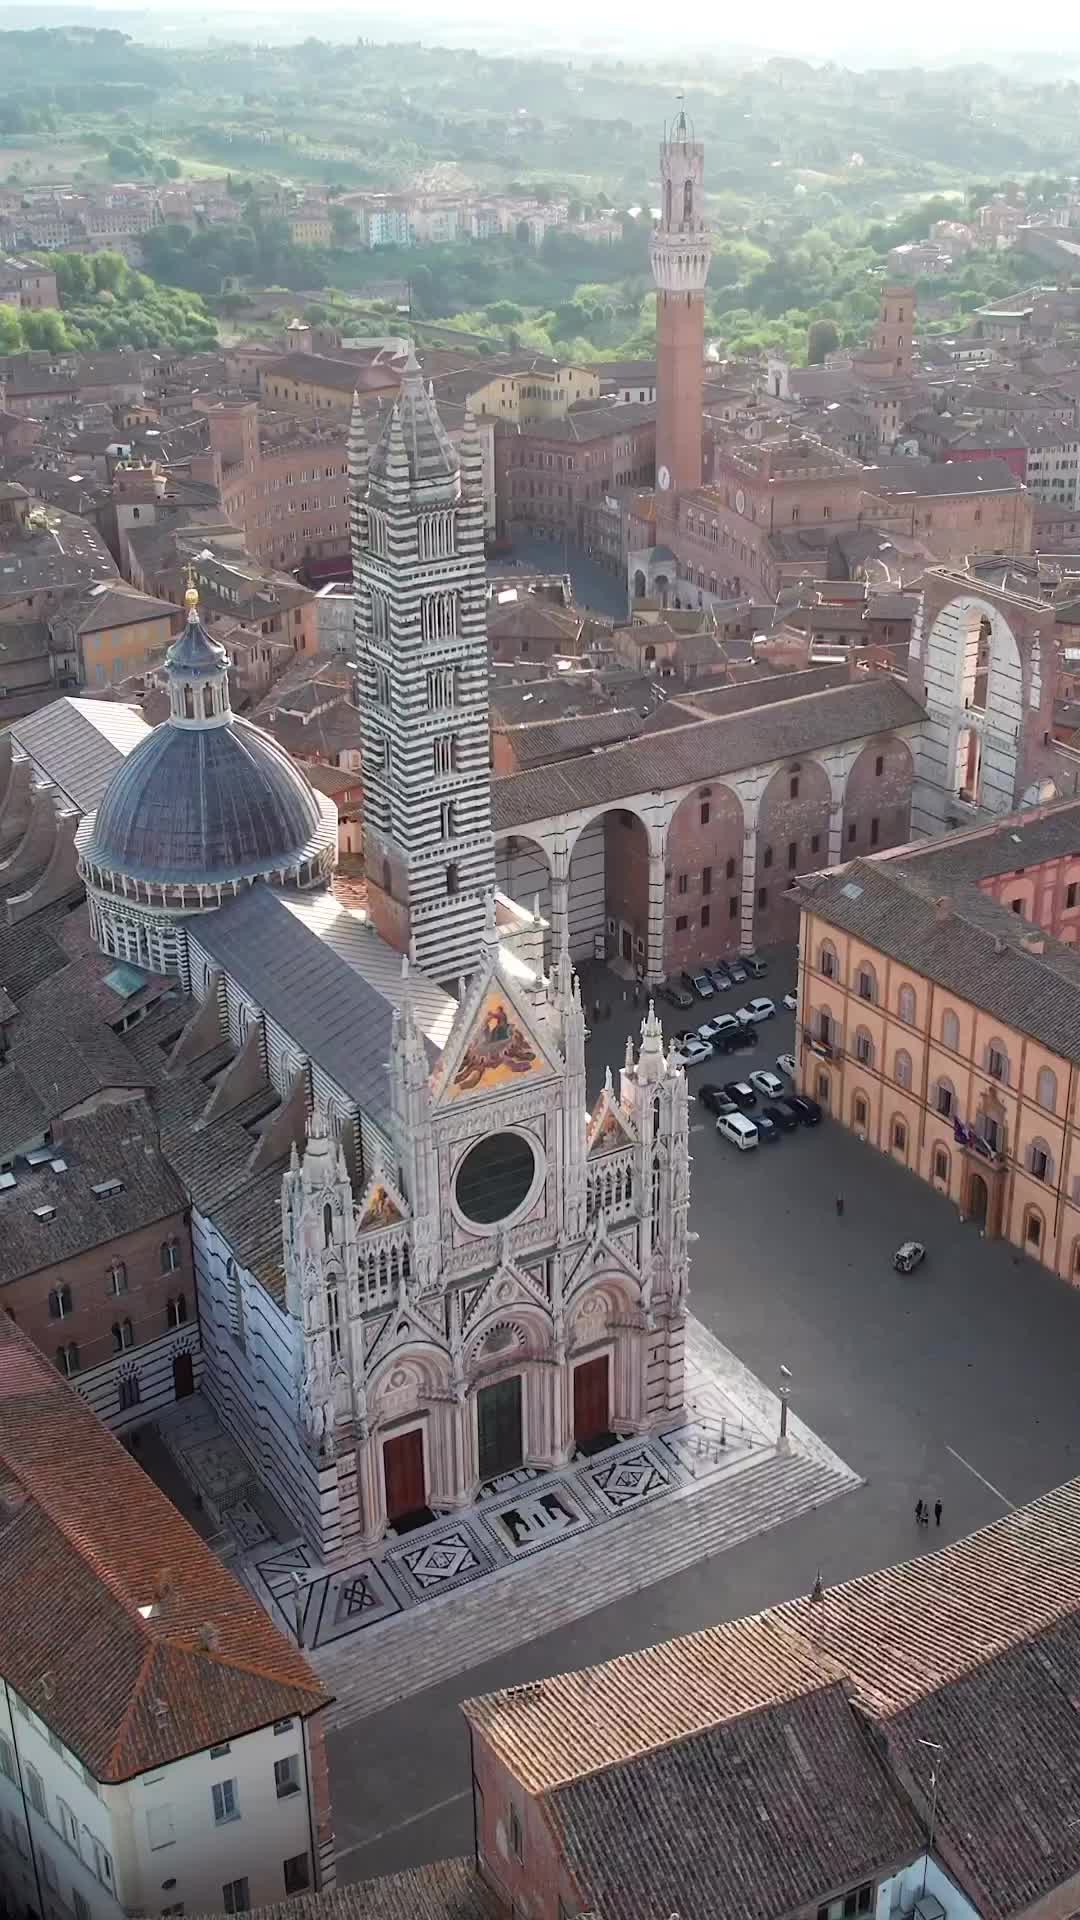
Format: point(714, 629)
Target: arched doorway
point(639, 585)
point(978, 1200)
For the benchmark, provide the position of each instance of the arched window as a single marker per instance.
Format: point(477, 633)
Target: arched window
point(1075, 1263)
point(899, 1134)
point(1046, 1089)
point(860, 1112)
point(123, 1336)
point(945, 1098)
point(688, 200)
point(1040, 1160)
point(866, 983)
point(905, 1005)
point(941, 1166)
point(208, 702)
point(1033, 1229)
point(118, 1277)
point(386, 876)
point(67, 1358)
point(667, 203)
point(950, 1030)
point(189, 704)
point(333, 1315)
point(176, 1311)
point(902, 1067)
point(169, 1255)
point(997, 1061)
point(452, 881)
point(827, 961)
point(327, 1224)
point(60, 1301)
point(864, 1047)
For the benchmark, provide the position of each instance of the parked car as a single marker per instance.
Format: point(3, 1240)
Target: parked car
point(807, 1111)
point(908, 1256)
point(791, 1002)
point(741, 1092)
point(768, 1131)
point(737, 972)
point(769, 1085)
point(737, 1039)
point(755, 1010)
point(786, 1064)
point(714, 1099)
point(675, 995)
point(782, 1117)
point(720, 978)
point(691, 1051)
point(737, 1130)
point(703, 986)
point(755, 965)
point(721, 971)
point(718, 1027)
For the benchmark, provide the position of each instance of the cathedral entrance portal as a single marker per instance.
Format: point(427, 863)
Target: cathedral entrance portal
point(403, 1474)
point(498, 1426)
point(592, 1400)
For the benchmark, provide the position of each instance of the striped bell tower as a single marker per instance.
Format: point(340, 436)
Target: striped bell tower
point(421, 636)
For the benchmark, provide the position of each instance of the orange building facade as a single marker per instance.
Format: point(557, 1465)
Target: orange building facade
point(907, 1038)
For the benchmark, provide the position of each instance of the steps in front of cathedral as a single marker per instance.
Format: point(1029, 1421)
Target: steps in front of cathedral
point(404, 1656)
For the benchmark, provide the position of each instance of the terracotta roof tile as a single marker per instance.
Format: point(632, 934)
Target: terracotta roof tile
point(85, 1541)
point(447, 1890)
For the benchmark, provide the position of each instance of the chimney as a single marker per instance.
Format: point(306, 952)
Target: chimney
point(1033, 942)
point(208, 1637)
point(943, 908)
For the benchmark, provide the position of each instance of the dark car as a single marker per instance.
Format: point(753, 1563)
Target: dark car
point(768, 1131)
point(807, 1111)
point(742, 1093)
point(715, 1099)
point(721, 973)
point(741, 1041)
point(674, 994)
point(755, 965)
point(782, 1117)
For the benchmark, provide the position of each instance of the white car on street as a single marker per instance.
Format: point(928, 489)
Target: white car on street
point(786, 1064)
point(691, 1052)
point(769, 1085)
point(791, 1002)
point(754, 1011)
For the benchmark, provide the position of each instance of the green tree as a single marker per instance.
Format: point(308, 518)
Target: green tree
point(822, 337)
point(110, 272)
point(11, 339)
point(45, 329)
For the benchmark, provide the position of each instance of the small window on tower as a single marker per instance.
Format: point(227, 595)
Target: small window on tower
point(452, 878)
point(688, 200)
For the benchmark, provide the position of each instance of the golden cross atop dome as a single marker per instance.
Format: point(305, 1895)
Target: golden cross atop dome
point(191, 597)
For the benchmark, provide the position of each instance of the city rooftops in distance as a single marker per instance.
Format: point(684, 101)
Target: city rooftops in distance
point(941, 477)
point(100, 1575)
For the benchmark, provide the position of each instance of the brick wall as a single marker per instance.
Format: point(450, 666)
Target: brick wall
point(705, 848)
point(94, 1306)
point(877, 799)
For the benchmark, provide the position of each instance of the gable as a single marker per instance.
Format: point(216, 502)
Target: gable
point(609, 1127)
point(500, 1048)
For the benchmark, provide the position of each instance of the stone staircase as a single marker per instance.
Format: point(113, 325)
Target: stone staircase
point(444, 1637)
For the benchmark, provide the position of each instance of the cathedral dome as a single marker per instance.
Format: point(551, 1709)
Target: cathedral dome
point(220, 804)
point(207, 798)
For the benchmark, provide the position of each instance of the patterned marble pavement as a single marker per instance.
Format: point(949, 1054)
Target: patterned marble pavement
point(529, 1513)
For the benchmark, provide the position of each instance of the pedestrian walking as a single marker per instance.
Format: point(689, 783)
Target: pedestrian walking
point(925, 1505)
point(918, 1513)
point(839, 1206)
point(937, 1513)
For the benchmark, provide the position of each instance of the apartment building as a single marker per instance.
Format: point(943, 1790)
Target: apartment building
point(161, 1745)
point(939, 1014)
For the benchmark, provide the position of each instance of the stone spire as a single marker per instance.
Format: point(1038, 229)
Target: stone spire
point(651, 1064)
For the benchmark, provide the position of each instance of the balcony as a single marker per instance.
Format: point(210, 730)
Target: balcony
point(821, 1045)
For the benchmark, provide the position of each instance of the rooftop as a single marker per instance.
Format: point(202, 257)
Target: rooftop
point(78, 744)
point(705, 751)
point(115, 1144)
point(99, 1574)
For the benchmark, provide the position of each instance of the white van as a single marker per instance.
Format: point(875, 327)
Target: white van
point(740, 1131)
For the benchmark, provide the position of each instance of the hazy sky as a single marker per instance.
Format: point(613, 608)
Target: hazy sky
point(849, 31)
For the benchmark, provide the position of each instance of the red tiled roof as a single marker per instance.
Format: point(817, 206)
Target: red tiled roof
point(85, 1541)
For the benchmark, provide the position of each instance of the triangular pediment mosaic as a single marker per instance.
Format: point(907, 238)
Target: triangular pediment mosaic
point(610, 1127)
point(494, 1044)
point(381, 1206)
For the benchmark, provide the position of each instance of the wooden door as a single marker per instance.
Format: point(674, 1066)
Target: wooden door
point(183, 1375)
point(592, 1406)
point(498, 1423)
point(403, 1472)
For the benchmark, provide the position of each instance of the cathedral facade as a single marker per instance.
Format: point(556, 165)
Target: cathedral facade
point(476, 1273)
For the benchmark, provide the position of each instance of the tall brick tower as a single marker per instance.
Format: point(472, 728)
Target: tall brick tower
point(896, 324)
point(679, 252)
